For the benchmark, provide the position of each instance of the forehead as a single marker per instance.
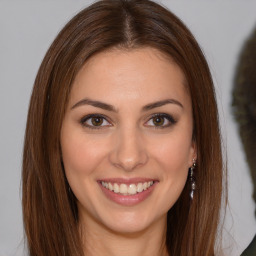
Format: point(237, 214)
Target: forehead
point(119, 74)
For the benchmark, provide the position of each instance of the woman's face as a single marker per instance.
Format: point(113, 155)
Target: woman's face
point(126, 138)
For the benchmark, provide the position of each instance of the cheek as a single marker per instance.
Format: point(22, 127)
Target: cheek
point(80, 154)
point(175, 153)
point(173, 160)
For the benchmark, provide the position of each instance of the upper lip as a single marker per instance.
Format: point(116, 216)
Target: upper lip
point(127, 180)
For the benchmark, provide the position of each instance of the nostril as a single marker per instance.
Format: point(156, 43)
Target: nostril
point(128, 162)
point(128, 151)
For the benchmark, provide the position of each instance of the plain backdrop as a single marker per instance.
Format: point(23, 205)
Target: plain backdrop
point(26, 30)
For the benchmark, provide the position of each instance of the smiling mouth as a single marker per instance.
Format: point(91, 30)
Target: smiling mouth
point(127, 189)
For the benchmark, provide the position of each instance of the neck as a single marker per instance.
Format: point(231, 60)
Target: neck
point(101, 241)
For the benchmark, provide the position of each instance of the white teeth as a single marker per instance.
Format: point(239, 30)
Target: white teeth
point(105, 184)
point(145, 185)
point(116, 188)
point(132, 189)
point(139, 188)
point(125, 189)
point(110, 187)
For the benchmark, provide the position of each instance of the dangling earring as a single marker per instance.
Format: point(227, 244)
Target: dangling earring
point(192, 179)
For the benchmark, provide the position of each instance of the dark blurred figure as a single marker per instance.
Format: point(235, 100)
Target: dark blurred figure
point(244, 106)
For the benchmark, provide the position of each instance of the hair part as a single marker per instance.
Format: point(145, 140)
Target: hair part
point(49, 209)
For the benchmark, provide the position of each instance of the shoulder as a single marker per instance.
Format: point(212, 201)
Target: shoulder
point(251, 249)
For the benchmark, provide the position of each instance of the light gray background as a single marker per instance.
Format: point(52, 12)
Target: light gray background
point(26, 30)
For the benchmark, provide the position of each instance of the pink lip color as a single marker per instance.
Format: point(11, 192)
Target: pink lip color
point(128, 200)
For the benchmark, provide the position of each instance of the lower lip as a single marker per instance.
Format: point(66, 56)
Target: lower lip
point(128, 200)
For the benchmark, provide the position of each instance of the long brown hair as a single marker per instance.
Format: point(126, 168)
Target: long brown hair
point(49, 209)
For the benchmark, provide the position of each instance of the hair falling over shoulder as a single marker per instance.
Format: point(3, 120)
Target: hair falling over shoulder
point(49, 209)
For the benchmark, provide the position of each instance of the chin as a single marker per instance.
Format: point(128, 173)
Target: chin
point(131, 223)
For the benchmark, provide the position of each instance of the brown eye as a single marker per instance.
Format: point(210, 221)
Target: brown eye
point(94, 121)
point(161, 120)
point(158, 120)
point(97, 121)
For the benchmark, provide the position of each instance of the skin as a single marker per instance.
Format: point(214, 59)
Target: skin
point(128, 143)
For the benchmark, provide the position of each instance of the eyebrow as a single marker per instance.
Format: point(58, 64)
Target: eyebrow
point(108, 107)
point(95, 103)
point(161, 103)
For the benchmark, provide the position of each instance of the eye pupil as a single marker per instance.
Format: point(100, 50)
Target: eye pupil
point(97, 121)
point(158, 120)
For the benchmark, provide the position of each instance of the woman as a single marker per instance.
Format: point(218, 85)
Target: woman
point(122, 151)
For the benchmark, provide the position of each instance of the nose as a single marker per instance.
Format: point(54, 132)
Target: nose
point(128, 151)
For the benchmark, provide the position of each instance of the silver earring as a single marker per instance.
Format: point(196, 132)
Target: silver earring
point(192, 179)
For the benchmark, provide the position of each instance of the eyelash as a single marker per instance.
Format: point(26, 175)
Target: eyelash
point(88, 117)
point(167, 117)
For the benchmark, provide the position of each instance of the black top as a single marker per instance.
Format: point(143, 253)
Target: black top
point(251, 249)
